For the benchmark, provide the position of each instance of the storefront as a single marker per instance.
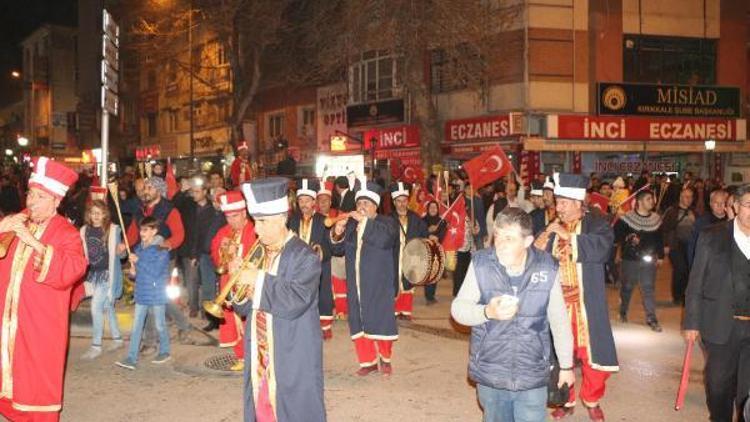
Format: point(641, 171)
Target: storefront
point(630, 144)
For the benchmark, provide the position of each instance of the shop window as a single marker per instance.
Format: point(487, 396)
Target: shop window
point(276, 125)
point(669, 60)
point(374, 77)
point(306, 121)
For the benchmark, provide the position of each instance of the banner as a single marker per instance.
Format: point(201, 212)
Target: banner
point(644, 128)
point(331, 114)
point(667, 100)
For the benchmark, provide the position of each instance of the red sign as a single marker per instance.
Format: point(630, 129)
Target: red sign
point(644, 128)
point(490, 127)
point(147, 152)
point(393, 137)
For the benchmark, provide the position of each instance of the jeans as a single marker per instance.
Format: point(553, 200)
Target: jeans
point(192, 281)
point(633, 273)
point(513, 406)
point(175, 314)
point(100, 304)
point(208, 277)
point(680, 271)
point(139, 321)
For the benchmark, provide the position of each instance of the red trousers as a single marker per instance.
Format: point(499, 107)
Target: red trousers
point(13, 415)
point(593, 381)
point(405, 302)
point(339, 295)
point(230, 332)
point(368, 351)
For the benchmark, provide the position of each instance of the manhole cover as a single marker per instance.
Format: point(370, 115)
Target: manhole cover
point(220, 362)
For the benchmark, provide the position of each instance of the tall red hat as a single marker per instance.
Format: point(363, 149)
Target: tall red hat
point(52, 177)
point(232, 202)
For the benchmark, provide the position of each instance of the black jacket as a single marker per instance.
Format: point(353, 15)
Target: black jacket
point(710, 293)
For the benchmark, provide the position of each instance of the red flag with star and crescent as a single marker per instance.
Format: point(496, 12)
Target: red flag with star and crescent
point(488, 167)
point(455, 217)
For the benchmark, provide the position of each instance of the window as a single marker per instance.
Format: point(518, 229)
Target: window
point(221, 54)
point(306, 121)
point(151, 79)
point(669, 60)
point(373, 78)
point(172, 121)
point(276, 125)
point(151, 122)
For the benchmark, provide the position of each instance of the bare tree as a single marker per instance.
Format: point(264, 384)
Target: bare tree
point(461, 32)
point(248, 30)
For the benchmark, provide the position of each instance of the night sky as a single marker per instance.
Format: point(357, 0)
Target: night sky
point(18, 19)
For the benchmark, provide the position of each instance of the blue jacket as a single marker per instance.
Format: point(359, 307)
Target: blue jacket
point(514, 354)
point(151, 274)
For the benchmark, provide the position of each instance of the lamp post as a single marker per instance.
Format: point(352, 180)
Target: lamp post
point(710, 146)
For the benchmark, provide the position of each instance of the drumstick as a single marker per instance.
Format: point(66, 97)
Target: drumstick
point(115, 197)
point(685, 375)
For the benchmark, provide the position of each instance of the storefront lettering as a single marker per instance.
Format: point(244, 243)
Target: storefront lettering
point(492, 127)
point(610, 130)
point(644, 128)
point(686, 96)
point(690, 131)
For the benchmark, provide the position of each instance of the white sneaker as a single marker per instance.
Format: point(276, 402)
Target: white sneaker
point(116, 344)
point(93, 353)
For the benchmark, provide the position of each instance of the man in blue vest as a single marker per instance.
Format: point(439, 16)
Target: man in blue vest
point(512, 299)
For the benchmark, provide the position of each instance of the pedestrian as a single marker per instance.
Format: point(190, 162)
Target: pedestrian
point(474, 235)
point(436, 229)
point(368, 240)
point(102, 245)
point(512, 299)
point(185, 205)
point(310, 227)
point(37, 277)
point(717, 310)
point(344, 195)
point(716, 213)
point(205, 223)
point(641, 251)
point(410, 226)
point(150, 268)
point(582, 242)
point(283, 376)
point(678, 225)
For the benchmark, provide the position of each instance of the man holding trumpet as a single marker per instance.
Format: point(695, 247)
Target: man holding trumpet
point(44, 261)
point(279, 297)
point(310, 227)
point(235, 239)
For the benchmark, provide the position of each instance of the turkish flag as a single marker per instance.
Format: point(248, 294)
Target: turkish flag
point(488, 167)
point(597, 200)
point(455, 218)
point(412, 174)
point(172, 187)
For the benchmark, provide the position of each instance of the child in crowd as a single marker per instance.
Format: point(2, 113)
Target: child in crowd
point(104, 279)
point(150, 267)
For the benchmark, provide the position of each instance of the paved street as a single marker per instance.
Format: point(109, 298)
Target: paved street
point(429, 383)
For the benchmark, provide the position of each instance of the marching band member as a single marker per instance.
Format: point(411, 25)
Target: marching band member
point(241, 170)
point(234, 239)
point(582, 242)
point(43, 263)
point(410, 227)
point(310, 227)
point(284, 371)
point(368, 239)
point(338, 263)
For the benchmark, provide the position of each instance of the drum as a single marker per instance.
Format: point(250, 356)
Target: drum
point(423, 261)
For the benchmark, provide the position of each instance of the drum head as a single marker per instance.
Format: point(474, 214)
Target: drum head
point(423, 261)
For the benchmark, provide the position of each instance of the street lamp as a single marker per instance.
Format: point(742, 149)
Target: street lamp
point(9, 152)
point(15, 74)
point(23, 141)
point(710, 144)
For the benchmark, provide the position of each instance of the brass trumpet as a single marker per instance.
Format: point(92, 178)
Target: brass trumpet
point(228, 251)
point(214, 307)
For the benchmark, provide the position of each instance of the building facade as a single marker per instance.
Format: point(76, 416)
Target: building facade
point(50, 72)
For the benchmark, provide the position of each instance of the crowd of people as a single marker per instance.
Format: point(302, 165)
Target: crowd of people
point(272, 263)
